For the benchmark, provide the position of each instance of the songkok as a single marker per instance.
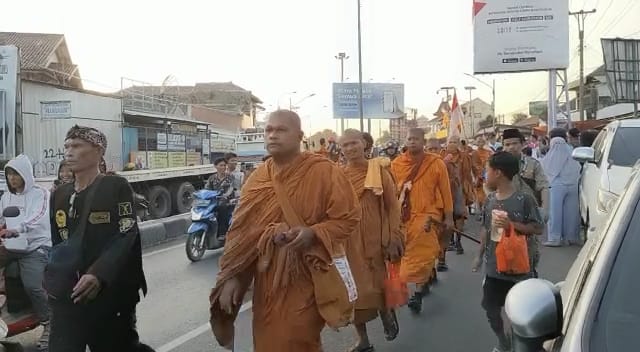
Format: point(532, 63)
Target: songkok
point(89, 135)
point(512, 133)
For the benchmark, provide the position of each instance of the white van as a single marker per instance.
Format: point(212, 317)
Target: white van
point(607, 168)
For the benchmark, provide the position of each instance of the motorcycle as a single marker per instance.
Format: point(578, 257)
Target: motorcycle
point(202, 234)
point(18, 315)
point(141, 206)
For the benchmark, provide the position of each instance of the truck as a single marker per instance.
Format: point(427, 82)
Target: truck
point(154, 143)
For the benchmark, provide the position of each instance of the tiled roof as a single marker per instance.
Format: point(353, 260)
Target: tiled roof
point(35, 48)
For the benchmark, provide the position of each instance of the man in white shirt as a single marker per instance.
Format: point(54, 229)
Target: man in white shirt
point(238, 175)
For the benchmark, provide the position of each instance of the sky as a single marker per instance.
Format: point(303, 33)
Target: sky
point(275, 47)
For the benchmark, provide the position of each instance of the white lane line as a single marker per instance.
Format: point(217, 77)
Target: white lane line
point(180, 340)
point(163, 250)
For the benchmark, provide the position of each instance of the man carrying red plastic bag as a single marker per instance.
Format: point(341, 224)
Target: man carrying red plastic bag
point(510, 220)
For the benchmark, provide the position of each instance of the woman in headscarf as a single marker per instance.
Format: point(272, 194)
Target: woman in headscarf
point(563, 174)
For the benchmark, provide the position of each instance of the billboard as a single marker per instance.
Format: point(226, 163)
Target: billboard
point(520, 35)
point(380, 100)
point(538, 108)
point(622, 65)
point(9, 65)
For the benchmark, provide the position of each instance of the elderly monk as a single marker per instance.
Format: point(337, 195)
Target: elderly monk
point(295, 213)
point(378, 239)
point(462, 184)
point(479, 160)
point(425, 197)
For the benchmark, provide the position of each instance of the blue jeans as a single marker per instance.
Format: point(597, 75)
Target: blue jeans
point(564, 213)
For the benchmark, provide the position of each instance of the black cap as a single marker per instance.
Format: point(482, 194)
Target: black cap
point(512, 133)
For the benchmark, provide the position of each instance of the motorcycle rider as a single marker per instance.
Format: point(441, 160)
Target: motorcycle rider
point(32, 223)
point(392, 150)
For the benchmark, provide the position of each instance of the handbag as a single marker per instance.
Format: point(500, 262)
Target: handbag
point(333, 283)
point(65, 260)
point(396, 292)
point(512, 254)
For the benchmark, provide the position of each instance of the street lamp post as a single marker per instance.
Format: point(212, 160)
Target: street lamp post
point(360, 100)
point(342, 57)
point(282, 95)
point(493, 95)
point(470, 110)
point(293, 107)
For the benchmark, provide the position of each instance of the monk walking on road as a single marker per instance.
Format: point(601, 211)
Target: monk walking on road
point(378, 240)
point(479, 160)
point(295, 212)
point(462, 184)
point(425, 198)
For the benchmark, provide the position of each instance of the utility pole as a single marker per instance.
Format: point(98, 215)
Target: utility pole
point(360, 100)
point(581, 16)
point(470, 110)
point(342, 57)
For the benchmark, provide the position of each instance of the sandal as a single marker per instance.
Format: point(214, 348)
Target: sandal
point(362, 349)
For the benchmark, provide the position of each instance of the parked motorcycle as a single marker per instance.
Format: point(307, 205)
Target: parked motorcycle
point(18, 315)
point(202, 234)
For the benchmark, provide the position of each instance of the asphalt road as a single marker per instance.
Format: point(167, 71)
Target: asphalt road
point(174, 316)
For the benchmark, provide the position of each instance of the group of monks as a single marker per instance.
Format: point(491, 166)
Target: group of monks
point(317, 238)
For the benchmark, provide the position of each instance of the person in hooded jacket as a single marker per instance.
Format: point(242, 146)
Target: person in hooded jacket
point(33, 224)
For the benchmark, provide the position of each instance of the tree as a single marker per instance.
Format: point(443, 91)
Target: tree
point(519, 117)
point(487, 122)
point(386, 136)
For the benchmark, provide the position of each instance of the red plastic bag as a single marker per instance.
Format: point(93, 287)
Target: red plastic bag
point(396, 292)
point(512, 253)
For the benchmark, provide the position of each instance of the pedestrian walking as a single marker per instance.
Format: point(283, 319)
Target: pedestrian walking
point(95, 269)
point(506, 209)
point(563, 174)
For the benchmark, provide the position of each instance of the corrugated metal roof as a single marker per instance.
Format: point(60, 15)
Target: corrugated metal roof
point(35, 48)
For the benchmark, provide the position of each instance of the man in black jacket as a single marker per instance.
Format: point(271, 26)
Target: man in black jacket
point(100, 312)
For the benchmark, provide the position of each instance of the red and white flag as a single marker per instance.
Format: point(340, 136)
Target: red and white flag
point(457, 118)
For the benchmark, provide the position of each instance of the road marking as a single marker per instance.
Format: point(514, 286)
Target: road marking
point(163, 250)
point(180, 340)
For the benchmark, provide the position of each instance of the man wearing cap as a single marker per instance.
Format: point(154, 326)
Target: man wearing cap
point(97, 308)
point(531, 179)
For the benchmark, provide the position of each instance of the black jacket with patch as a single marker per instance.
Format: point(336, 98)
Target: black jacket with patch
point(112, 249)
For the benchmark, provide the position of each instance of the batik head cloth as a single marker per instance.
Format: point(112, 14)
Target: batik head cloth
point(88, 134)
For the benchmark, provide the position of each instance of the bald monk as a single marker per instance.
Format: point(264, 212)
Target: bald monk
point(425, 196)
point(479, 160)
point(378, 239)
point(295, 212)
point(462, 184)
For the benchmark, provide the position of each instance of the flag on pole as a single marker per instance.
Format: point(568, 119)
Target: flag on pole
point(457, 118)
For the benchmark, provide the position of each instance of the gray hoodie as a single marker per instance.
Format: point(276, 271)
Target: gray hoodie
point(33, 221)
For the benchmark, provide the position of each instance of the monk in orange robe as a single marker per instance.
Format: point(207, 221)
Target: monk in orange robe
point(462, 184)
point(479, 160)
point(425, 196)
point(295, 213)
point(379, 238)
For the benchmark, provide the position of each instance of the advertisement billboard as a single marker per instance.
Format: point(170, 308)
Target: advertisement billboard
point(520, 35)
point(9, 65)
point(380, 100)
point(538, 108)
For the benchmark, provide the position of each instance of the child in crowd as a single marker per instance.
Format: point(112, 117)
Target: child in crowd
point(504, 208)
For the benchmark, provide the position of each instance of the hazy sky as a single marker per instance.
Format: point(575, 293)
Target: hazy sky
point(272, 47)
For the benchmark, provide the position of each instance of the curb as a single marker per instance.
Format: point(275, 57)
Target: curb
point(154, 232)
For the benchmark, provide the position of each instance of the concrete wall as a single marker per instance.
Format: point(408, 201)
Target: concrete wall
point(224, 120)
point(43, 139)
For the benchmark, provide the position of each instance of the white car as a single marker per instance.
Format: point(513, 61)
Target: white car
point(607, 168)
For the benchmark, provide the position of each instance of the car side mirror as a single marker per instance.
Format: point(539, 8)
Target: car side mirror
point(535, 309)
point(584, 154)
point(11, 212)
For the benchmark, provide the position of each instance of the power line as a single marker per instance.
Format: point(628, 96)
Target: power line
point(599, 20)
point(621, 16)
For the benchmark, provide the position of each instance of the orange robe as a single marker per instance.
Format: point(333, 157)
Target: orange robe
point(464, 179)
point(479, 160)
point(430, 198)
point(380, 226)
point(323, 151)
point(286, 317)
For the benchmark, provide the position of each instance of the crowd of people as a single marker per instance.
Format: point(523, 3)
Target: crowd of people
point(319, 233)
